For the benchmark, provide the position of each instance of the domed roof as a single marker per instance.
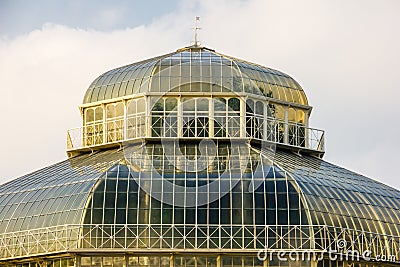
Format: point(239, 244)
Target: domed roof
point(195, 69)
point(101, 189)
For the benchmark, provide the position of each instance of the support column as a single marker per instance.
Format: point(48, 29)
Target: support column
point(266, 262)
point(219, 261)
point(105, 128)
point(148, 120)
point(265, 123)
point(306, 130)
point(77, 261)
point(180, 118)
point(313, 263)
point(242, 117)
point(211, 118)
point(286, 127)
point(125, 126)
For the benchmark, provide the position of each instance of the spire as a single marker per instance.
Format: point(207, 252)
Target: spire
point(195, 29)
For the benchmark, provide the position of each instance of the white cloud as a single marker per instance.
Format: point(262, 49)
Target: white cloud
point(348, 63)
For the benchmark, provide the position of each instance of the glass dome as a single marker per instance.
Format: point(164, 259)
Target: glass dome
point(105, 200)
point(195, 69)
point(194, 159)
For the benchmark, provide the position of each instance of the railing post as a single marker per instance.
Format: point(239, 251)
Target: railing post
point(306, 132)
point(321, 143)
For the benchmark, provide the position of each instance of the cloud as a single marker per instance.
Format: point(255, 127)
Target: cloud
point(347, 62)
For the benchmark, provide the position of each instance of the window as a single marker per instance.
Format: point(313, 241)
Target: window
point(136, 118)
point(164, 119)
point(195, 117)
point(94, 127)
point(115, 122)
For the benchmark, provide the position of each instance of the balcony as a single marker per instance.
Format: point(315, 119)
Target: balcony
point(114, 132)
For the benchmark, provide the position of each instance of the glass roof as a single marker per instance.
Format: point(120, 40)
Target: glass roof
point(54, 195)
point(342, 198)
point(172, 174)
point(195, 70)
point(297, 190)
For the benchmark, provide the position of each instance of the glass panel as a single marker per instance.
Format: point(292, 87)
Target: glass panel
point(131, 107)
point(234, 104)
point(141, 106)
point(98, 114)
point(89, 115)
point(202, 104)
point(171, 104)
point(111, 111)
point(292, 115)
point(188, 104)
point(119, 110)
point(260, 108)
point(301, 117)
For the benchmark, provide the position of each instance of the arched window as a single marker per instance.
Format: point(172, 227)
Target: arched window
point(255, 119)
point(118, 199)
point(259, 120)
point(296, 128)
point(234, 105)
point(219, 117)
point(301, 128)
point(115, 122)
point(157, 118)
point(250, 118)
point(301, 117)
point(202, 117)
point(280, 123)
point(233, 117)
point(89, 115)
point(171, 117)
point(292, 127)
point(131, 107)
point(94, 126)
point(165, 117)
point(110, 110)
point(195, 117)
point(135, 118)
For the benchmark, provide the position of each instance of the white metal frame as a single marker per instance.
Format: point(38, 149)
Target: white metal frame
point(85, 137)
point(194, 238)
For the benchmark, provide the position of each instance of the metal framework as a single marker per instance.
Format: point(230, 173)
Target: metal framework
point(153, 203)
point(265, 129)
point(196, 238)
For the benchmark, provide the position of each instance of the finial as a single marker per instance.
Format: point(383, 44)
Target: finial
point(195, 29)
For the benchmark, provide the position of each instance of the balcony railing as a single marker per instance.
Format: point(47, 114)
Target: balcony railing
point(191, 237)
point(218, 127)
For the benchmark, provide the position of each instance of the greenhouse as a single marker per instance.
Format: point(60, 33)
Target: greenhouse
point(196, 158)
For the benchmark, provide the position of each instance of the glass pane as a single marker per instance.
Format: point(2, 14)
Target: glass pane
point(141, 106)
point(234, 104)
point(111, 111)
point(119, 110)
point(89, 115)
point(98, 114)
point(132, 107)
point(202, 104)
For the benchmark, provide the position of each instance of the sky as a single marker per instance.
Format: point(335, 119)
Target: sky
point(345, 54)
